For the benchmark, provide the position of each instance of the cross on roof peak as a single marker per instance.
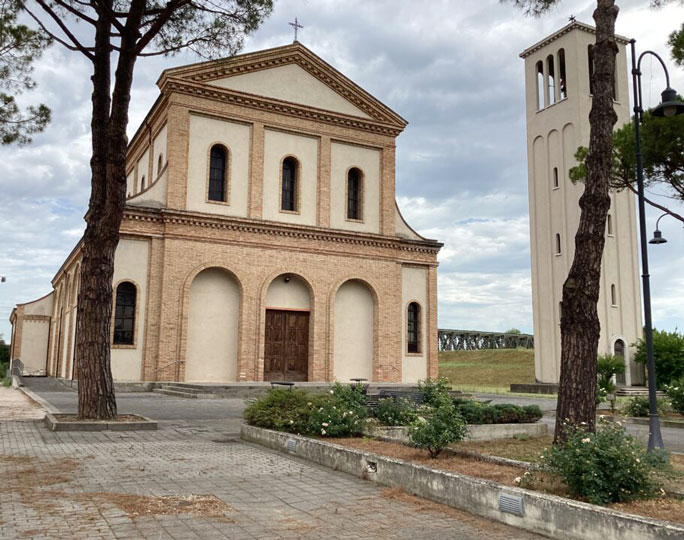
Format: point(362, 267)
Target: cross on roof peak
point(295, 25)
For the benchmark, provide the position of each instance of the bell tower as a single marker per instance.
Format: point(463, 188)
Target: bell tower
point(558, 101)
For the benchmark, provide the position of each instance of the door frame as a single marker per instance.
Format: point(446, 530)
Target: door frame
point(309, 345)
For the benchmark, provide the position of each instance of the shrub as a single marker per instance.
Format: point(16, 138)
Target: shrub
point(434, 391)
point(532, 413)
point(608, 365)
point(638, 406)
point(675, 392)
point(395, 413)
point(508, 414)
point(340, 413)
point(282, 410)
point(438, 430)
point(668, 353)
point(604, 467)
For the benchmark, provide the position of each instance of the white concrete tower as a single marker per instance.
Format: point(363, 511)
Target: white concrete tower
point(558, 101)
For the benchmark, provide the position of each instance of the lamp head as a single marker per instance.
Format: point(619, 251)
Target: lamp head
point(3, 279)
point(670, 105)
point(657, 238)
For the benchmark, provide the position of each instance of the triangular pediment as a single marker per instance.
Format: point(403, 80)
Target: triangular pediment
point(291, 74)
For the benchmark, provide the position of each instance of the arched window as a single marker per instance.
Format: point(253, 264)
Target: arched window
point(558, 244)
point(539, 71)
point(555, 177)
point(551, 79)
point(413, 328)
point(289, 185)
point(609, 225)
point(613, 295)
point(354, 194)
point(142, 183)
point(160, 163)
point(217, 173)
point(124, 314)
point(562, 78)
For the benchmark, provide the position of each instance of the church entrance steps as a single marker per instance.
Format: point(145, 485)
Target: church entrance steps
point(632, 391)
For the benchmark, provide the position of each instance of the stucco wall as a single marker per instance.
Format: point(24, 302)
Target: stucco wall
point(343, 157)
point(213, 323)
point(159, 149)
point(277, 146)
point(204, 133)
point(130, 264)
point(142, 169)
point(414, 288)
point(292, 294)
point(353, 336)
point(290, 83)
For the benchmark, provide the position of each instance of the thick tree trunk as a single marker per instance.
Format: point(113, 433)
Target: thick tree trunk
point(96, 397)
point(580, 326)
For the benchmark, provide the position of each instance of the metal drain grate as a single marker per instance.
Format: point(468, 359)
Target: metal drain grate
point(511, 504)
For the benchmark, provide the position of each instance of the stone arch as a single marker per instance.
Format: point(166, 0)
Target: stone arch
point(353, 322)
point(213, 305)
point(304, 280)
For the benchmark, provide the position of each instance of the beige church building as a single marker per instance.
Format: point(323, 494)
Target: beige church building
point(261, 238)
point(558, 100)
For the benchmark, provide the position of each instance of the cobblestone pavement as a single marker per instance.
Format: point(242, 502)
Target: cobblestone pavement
point(103, 485)
point(14, 405)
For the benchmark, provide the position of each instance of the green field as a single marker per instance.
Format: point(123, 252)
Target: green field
point(487, 370)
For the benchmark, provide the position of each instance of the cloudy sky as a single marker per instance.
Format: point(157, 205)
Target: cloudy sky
point(451, 68)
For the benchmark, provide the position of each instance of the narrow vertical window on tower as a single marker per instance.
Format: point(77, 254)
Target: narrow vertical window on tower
point(613, 295)
point(555, 177)
point(551, 79)
point(413, 328)
point(562, 76)
point(539, 70)
point(218, 157)
point(124, 314)
point(590, 59)
point(289, 185)
point(609, 225)
point(558, 244)
point(354, 190)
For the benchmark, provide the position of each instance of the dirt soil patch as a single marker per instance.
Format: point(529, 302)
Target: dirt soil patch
point(665, 508)
point(503, 474)
point(521, 449)
point(496, 368)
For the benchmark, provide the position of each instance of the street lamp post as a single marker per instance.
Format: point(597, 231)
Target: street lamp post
point(670, 106)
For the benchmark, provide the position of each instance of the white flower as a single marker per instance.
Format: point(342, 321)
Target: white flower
point(332, 392)
point(291, 421)
point(638, 460)
point(518, 479)
point(322, 432)
point(587, 440)
point(309, 404)
point(325, 424)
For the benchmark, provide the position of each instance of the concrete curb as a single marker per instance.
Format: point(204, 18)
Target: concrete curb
point(55, 424)
point(553, 516)
point(46, 405)
point(476, 432)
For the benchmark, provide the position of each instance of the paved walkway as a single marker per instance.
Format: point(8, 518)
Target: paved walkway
point(146, 485)
point(14, 405)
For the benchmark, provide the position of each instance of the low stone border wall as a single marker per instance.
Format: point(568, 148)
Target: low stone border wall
point(54, 423)
point(538, 512)
point(476, 432)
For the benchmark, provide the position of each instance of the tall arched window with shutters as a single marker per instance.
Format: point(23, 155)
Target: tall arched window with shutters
point(218, 160)
point(290, 177)
point(354, 193)
point(413, 328)
point(124, 314)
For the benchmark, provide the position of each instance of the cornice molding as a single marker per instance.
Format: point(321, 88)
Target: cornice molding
point(272, 105)
point(281, 229)
point(574, 25)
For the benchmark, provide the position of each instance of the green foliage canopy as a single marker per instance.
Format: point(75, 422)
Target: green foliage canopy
point(668, 353)
point(20, 46)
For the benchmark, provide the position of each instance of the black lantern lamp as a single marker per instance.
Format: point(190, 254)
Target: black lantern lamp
point(670, 105)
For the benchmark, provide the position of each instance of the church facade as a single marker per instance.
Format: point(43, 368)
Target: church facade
point(261, 238)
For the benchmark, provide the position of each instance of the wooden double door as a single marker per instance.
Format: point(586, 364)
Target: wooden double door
point(286, 350)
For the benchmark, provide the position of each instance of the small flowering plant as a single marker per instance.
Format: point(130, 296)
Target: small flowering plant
point(675, 392)
point(340, 413)
point(605, 467)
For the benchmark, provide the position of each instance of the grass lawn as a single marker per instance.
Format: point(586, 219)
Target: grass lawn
point(488, 370)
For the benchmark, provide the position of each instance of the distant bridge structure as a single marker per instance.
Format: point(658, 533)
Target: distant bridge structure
point(472, 340)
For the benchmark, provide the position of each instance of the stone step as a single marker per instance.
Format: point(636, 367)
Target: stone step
point(181, 388)
point(179, 393)
point(631, 391)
